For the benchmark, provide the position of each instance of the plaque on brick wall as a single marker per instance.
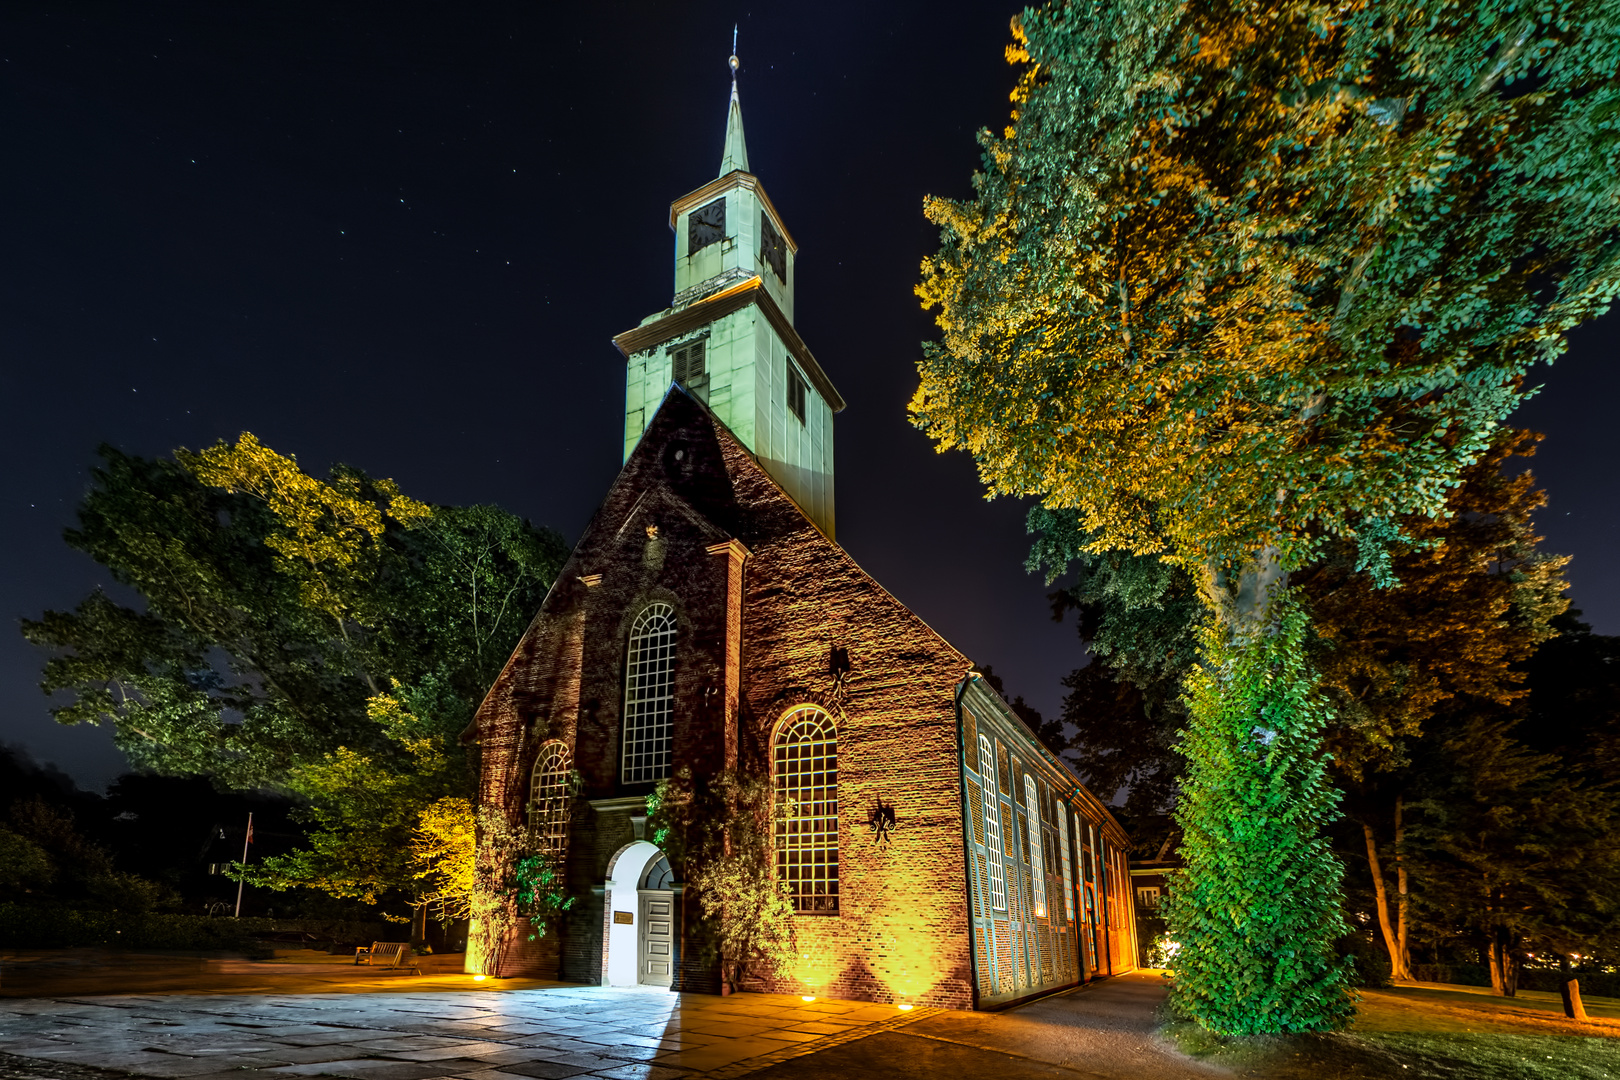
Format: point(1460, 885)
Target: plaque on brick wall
point(626, 918)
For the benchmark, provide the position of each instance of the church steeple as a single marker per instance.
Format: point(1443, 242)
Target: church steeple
point(727, 337)
point(736, 155)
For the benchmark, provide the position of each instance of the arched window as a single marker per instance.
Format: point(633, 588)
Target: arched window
point(649, 694)
point(658, 874)
point(806, 789)
point(1032, 810)
point(548, 800)
point(1068, 871)
point(992, 825)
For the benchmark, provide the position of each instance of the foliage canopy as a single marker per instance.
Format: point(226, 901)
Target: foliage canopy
point(1242, 274)
point(328, 637)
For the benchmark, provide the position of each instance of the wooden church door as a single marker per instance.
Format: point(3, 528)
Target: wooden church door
point(655, 943)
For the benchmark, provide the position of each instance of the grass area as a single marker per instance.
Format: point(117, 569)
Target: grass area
point(1431, 1032)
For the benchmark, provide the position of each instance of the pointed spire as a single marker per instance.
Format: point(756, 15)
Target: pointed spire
point(736, 156)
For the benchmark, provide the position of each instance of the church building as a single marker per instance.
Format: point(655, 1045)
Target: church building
point(933, 850)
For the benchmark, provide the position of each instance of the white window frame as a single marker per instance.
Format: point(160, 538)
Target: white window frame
point(804, 783)
point(548, 799)
point(1032, 808)
point(1068, 872)
point(992, 824)
point(649, 695)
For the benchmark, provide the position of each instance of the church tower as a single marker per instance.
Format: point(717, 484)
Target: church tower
point(727, 337)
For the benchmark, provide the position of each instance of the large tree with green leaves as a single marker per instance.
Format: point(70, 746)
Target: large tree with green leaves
point(1476, 600)
point(325, 636)
point(1244, 277)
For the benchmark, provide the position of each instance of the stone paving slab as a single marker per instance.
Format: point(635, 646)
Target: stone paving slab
point(551, 1033)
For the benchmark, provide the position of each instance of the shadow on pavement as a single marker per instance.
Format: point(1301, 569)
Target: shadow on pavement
point(1104, 1031)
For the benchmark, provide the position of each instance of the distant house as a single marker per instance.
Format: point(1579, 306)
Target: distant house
point(1150, 880)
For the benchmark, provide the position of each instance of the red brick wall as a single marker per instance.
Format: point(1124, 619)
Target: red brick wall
point(902, 930)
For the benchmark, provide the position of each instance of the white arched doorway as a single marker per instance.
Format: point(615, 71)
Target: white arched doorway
point(640, 925)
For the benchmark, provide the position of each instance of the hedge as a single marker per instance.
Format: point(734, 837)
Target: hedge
point(25, 926)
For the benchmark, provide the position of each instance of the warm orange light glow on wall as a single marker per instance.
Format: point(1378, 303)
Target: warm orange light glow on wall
point(814, 970)
point(906, 958)
point(476, 953)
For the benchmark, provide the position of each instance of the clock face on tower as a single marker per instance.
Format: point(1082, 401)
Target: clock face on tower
point(706, 225)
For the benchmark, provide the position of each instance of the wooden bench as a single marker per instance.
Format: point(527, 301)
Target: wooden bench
point(390, 955)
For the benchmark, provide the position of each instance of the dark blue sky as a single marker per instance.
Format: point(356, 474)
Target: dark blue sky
point(401, 237)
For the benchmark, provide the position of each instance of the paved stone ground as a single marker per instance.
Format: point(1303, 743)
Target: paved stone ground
point(1101, 1032)
point(545, 1034)
point(1104, 1031)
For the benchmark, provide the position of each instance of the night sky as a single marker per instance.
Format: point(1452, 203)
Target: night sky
point(401, 237)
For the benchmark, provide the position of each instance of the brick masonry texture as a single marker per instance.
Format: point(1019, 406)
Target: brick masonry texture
point(762, 598)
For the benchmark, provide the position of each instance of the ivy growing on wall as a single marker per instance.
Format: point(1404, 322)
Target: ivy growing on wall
point(717, 833)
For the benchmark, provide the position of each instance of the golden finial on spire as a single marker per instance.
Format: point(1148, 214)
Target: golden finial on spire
point(733, 60)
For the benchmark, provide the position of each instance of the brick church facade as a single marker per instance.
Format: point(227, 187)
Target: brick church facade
point(934, 850)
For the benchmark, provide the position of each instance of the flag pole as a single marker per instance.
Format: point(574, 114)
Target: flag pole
point(241, 877)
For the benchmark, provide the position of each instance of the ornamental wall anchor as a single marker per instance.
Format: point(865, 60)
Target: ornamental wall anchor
point(883, 823)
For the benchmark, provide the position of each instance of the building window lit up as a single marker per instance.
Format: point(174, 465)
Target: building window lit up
point(1032, 808)
point(548, 800)
point(806, 793)
point(649, 698)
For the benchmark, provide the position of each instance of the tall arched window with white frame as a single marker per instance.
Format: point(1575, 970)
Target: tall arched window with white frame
point(992, 824)
point(548, 800)
point(649, 695)
point(1068, 871)
point(1032, 808)
point(805, 786)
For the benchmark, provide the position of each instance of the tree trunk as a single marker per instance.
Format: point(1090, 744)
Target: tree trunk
point(1401, 890)
point(1569, 988)
point(1504, 964)
point(1397, 969)
point(1243, 600)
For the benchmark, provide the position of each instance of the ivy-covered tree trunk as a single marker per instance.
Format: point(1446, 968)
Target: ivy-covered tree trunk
point(1258, 907)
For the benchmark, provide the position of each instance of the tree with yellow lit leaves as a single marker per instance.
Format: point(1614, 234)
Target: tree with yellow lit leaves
point(329, 637)
point(1242, 278)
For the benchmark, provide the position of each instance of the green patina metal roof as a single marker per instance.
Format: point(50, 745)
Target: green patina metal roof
point(736, 156)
